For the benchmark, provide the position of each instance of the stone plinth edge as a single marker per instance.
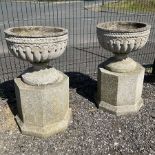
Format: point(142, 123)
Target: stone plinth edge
point(121, 110)
point(46, 131)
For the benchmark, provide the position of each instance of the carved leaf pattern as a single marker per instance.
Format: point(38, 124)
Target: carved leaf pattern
point(126, 45)
point(37, 53)
point(36, 50)
point(122, 42)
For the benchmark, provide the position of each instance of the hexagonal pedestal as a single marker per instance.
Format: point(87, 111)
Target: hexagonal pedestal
point(43, 110)
point(120, 93)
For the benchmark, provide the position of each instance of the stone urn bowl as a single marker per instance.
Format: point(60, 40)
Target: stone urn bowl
point(121, 38)
point(37, 45)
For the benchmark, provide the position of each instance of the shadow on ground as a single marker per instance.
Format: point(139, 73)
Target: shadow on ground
point(150, 78)
point(8, 93)
point(84, 85)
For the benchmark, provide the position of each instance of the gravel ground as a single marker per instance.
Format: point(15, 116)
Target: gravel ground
point(92, 131)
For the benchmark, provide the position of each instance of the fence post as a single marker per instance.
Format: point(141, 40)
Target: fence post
point(153, 71)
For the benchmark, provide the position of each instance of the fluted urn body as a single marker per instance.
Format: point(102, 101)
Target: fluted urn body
point(121, 38)
point(37, 45)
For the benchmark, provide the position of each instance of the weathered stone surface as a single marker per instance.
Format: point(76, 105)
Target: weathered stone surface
point(42, 93)
point(120, 93)
point(123, 66)
point(43, 110)
point(42, 76)
point(121, 38)
point(36, 44)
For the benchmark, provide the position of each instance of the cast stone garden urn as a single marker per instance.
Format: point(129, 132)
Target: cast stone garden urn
point(42, 92)
point(120, 78)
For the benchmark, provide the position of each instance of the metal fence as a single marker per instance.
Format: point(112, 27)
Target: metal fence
point(83, 53)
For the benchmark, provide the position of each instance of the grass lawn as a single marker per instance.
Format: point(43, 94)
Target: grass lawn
point(132, 5)
point(51, 0)
point(42, 0)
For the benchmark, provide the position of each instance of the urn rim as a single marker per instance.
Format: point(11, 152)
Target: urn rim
point(35, 31)
point(123, 27)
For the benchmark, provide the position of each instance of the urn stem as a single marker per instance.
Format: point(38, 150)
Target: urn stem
point(120, 57)
point(40, 66)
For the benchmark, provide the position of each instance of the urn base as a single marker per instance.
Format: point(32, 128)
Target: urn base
point(120, 93)
point(42, 76)
point(120, 66)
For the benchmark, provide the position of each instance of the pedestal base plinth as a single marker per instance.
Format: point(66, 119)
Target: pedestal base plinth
point(43, 110)
point(45, 131)
point(120, 93)
point(121, 110)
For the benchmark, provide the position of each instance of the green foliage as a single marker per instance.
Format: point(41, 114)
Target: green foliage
point(132, 5)
point(51, 0)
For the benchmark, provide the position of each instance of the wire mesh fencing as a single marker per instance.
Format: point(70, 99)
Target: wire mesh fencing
point(83, 53)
